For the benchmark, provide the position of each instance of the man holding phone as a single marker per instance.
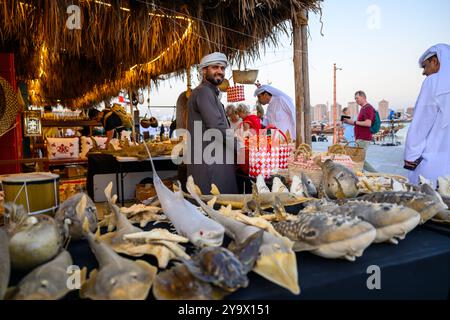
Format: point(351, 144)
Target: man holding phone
point(427, 147)
point(362, 125)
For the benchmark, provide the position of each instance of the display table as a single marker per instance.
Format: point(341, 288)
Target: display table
point(106, 163)
point(417, 268)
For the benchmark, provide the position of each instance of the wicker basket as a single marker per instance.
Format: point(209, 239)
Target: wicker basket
point(357, 155)
point(245, 77)
point(297, 165)
point(224, 85)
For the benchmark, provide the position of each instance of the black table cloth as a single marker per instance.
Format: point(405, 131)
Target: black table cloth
point(417, 268)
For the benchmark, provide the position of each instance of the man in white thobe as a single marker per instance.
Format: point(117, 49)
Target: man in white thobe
point(281, 108)
point(427, 147)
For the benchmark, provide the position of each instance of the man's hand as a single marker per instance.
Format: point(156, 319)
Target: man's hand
point(348, 121)
point(412, 165)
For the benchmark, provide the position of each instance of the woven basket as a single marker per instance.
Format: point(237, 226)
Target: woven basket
point(357, 154)
point(296, 165)
point(224, 85)
point(245, 77)
point(9, 106)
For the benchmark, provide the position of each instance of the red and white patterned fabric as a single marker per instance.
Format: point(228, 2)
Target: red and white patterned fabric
point(87, 144)
point(341, 159)
point(235, 94)
point(266, 158)
point(309, 164)
point(63, 148)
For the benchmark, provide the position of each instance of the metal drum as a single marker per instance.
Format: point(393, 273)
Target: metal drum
point(38, 192)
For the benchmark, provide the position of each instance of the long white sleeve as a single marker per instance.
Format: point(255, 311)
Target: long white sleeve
point(425, 114)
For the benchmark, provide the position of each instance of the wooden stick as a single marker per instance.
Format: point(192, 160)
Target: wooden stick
point(298, 76)
point(305, 69)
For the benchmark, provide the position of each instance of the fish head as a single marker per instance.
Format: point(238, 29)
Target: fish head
point(261, 184)
point(73, 211)
point(427, 189)
point(131, 282)
point(178, 283)
point(296, 185)
point(207, 238)
point(278, 186)
point(443, 185)
point(423, 180)
point(43, 286)
point(341, 183)
point(321, 228)
point(219, 266)
point(309, 186)
point(383, 214)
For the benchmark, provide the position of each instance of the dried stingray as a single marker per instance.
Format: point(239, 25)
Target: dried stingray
point(276, 262)
point(118, 278)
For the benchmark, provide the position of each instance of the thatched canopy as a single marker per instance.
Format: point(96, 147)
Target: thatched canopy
point(128, 43)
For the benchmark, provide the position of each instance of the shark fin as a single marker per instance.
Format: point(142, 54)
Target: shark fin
point(214, 190)
point(108, 191)
point(97, 234)
point(83, 275)
point(87, 287)
point(211, 202)
point(114, 199)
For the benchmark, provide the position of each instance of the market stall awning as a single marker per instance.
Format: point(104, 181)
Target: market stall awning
point(81, 52)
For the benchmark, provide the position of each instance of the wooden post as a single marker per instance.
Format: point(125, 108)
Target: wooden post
point(334, 105)
point(305, 71)
point(298, 77)
point(189, 81)
point(130, 94)
point(335, 133)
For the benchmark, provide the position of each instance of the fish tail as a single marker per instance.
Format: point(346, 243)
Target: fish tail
point(214, 190)
point(155, 175)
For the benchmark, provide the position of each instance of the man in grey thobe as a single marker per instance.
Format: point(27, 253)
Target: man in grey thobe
point(211, 162)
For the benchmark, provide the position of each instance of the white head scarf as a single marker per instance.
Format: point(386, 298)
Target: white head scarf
point(442, 51)
point(274, 92)
point(213, 59)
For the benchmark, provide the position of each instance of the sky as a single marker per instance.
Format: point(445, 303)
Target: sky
point(376, 43)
